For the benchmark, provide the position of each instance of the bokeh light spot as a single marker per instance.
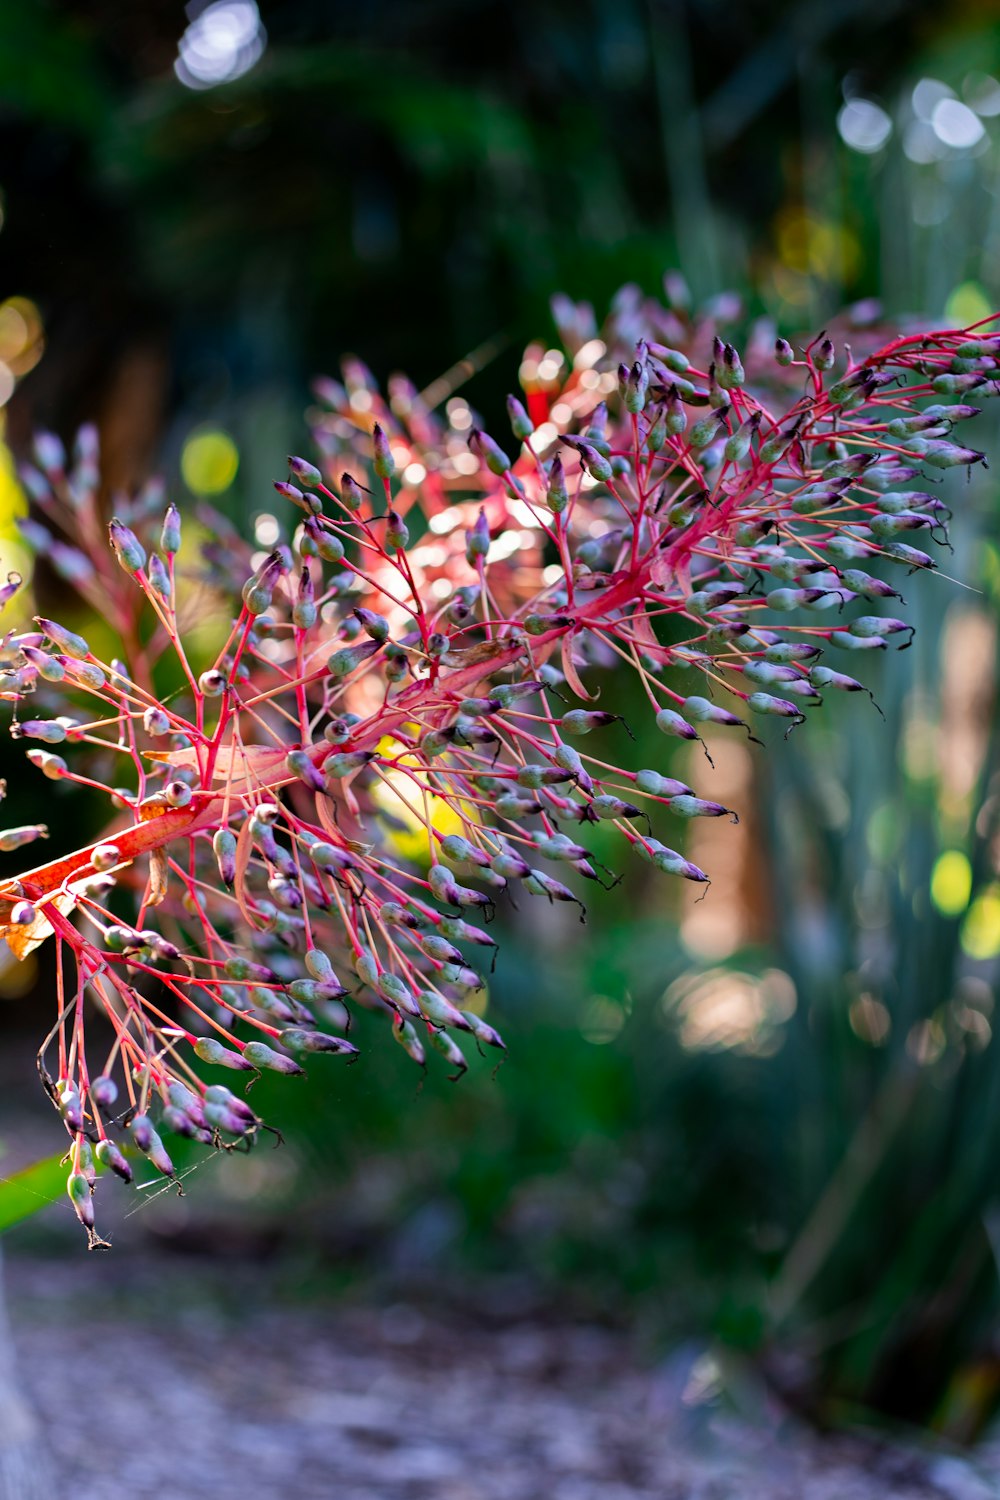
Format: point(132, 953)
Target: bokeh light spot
point(951, 883)
point(956, 124)
point(223, 42)
point(864, 126)
point(982, 93)
point(927, 95)
point(209, 461)
point(981, 928)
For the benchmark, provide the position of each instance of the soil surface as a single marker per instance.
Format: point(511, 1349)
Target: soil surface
point(175, 1379)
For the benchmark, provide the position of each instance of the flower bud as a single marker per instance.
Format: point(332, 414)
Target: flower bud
point(78, 1189)
point(452, 1053)
point(879, 625)
point(594, 462)
point(488, 452)
point(68, 641)
point(556, 494)
point(703, 710)
point(155, 722)
point(656, 785)
point(16, 838)
point(382, 460)
point(301, 764)
point(105, 856)
point(520, 423)
point(262, 1056)
point(50, 731)
point(707, 430)
point(304, 472)
point(582, 720)
point(170, 536)
point(212, 1051)
point(738, 446)
point(730, 372)
point(159, 578)
point(110, 1156)
point(480, 1029)
point(668, 721)
point(127, 548)
point(345, 763)
point(212, 683)
point(373, 624)
point(224, 847)
point(103, 1091)
point(316, 1041)
point(397, 535)
point(407, 1038)
point(825, 355)
point(392, 988)
point(767, 703)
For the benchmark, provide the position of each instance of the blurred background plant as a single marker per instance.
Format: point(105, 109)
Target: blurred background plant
point(775, 1130)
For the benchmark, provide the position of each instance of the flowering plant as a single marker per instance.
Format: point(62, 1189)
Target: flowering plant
point(326, 805)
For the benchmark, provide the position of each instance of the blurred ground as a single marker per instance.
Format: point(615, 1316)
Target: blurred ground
point(155, 1377)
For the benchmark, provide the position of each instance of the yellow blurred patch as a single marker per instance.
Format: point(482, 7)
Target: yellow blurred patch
point(981, 928)
point(968, 303)
point(209, 461)
point(401, 799)
point(951, 883)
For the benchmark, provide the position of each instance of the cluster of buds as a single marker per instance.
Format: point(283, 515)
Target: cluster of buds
point(326, 810)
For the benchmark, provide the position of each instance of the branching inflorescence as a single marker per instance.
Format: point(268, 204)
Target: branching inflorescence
point(411, 659)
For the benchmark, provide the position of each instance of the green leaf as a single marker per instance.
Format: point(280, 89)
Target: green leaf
point(30, 1189)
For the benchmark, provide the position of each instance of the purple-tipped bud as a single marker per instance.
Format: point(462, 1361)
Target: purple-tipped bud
point(344, 763)
point(595, 464)
point(397, 535)
point(66, 640)
point(155, 722)
point(300, 1040)
point(108, 1155)
point(170, 536)
point(212, 1051)
point(825, 355)
point(407, 1038)
point(212, 683)
point(668, 721)
point(480, 1029)
point(583, 720)
point(488, 452)
point(128, 549)
point(556, 494)
point(301, 764)
point(305, 472)
point(382, 460)
point(262, 1056)
point(224, 847)
point(78, 1189)
point(159, 577)
point(47, 729)
point(351, 492)
point(520, 423)
point(375, 625)
point(16, 838)
point(477, 538)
